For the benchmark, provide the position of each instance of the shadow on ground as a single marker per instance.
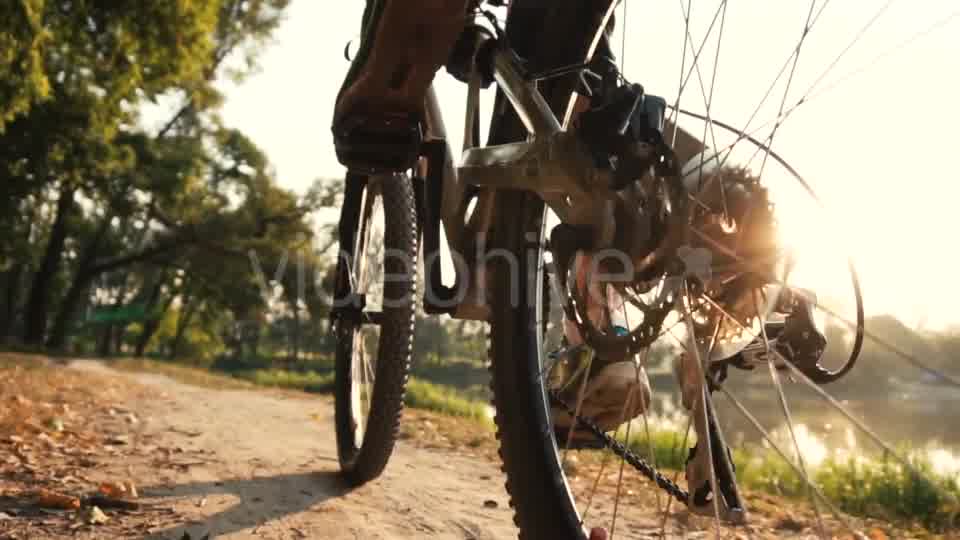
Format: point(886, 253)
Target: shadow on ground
point(261, 500)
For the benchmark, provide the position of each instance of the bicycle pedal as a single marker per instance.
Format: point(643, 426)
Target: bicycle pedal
point(372, 144)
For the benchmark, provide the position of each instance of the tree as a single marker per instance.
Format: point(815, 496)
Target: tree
point(22, 78)
point(99, 62)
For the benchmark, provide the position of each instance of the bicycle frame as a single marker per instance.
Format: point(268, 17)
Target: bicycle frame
point(552, 162)
point(458, 201)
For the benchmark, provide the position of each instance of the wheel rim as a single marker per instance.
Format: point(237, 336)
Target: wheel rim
point(366, 275)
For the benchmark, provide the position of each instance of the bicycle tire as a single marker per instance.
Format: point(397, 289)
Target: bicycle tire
point(543, 506)
point(538, 493)
point(361, 463)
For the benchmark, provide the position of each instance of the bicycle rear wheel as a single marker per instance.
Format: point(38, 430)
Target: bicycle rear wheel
point(559, 492)
point(375, 331)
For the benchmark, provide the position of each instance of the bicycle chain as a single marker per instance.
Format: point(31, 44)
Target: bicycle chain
point(620, 450)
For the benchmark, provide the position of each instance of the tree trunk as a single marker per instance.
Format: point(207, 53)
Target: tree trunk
point(112, 344)
point(151, 324)
point(296, 335)
point(182, 322)
point(11, 297)
point(106, 337)
point(81, 281)
point(119, 334)
point(293, 337)
point(58, 332)
point(35, 321)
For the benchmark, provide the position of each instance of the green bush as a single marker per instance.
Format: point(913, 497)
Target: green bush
point(444, 399)
point(886, 489)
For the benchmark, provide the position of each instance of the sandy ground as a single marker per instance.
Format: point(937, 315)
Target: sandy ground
point(250, 463)
point(264, 465)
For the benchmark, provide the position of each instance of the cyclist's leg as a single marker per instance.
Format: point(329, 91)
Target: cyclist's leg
point(403, 43)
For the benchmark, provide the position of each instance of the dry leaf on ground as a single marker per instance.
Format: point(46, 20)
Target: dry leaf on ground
point(52, 499)
point(118, 490)
point(94, 516)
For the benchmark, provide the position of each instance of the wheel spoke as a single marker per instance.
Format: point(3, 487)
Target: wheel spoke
point(708, 101)
point(791, 60)
point(680, 84)
point(646, 429)
point(701, 402)
point(676, 476)
point(786, 90)
point(888, 450)
point(685, 75)
point(788, 417)
point(776, 448)
point(368, 368)
point(860, 425)
point(357, 390)
point(616, 501)
point(596, 483)
point(585, 373)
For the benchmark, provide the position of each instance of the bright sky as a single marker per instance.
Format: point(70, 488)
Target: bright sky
point(879, 147)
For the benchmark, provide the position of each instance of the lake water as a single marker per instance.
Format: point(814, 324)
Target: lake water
point(923, 415)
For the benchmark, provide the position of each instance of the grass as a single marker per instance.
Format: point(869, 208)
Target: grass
point(420, 394)
point(886, 489)
point(667, 446)
point(181, 373)
point(310, 381)
point(471, 378)
point(444, 399)
point(863, 486)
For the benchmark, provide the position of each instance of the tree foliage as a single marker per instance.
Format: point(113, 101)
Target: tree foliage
point(100, 215)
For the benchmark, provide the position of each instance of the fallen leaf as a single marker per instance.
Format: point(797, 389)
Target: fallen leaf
point(55, 423)
point(114, 489)
point(50, 499)
point(117, 440)
point(185, 432)
point(95, 516)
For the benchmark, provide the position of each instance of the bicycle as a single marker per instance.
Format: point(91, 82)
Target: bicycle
point(555, 181)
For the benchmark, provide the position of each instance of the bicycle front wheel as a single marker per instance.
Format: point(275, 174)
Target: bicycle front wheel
point(375, 333)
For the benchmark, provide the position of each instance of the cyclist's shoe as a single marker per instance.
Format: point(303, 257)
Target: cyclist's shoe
point(377, 118)
point(614, 393)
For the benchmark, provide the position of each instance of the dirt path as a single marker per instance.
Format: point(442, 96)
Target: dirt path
point(253, 463)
